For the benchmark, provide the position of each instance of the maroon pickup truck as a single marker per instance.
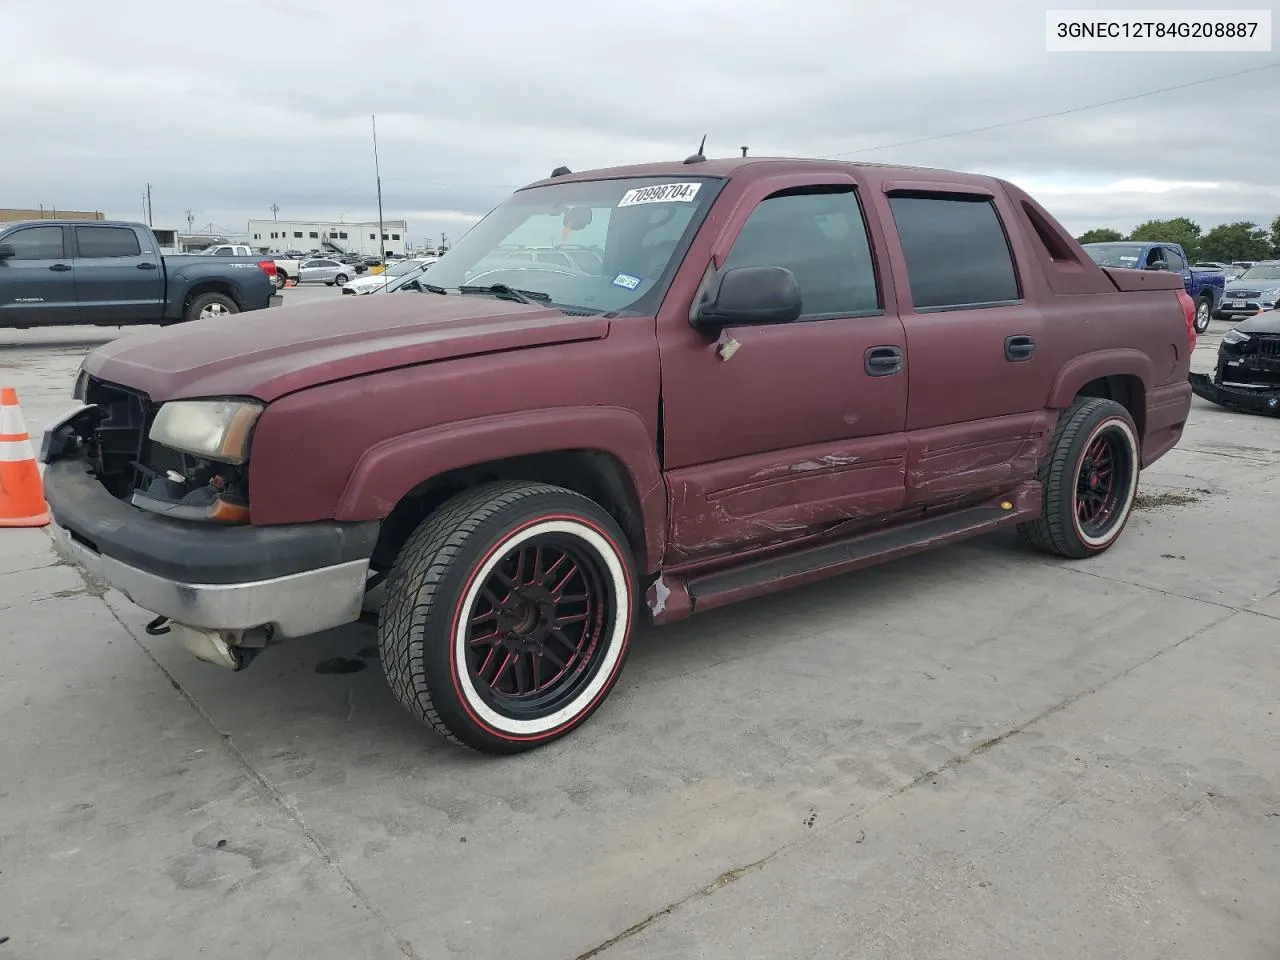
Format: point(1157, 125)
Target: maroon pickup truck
point(769, 371)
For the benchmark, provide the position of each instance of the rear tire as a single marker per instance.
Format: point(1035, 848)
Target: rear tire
point(508, 616)
point(1204, 313)
point(1090, 479)
point(210, 305)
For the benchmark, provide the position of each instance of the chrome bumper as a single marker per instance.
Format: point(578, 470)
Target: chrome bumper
point(294, 606)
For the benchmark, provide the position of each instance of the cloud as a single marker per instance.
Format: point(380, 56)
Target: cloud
point(227, 110)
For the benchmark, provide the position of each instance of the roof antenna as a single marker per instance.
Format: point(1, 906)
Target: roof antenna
point(560, 171)
point(744, 151)
point(698, 157)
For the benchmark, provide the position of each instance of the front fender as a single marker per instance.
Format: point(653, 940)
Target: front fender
point(389, 470)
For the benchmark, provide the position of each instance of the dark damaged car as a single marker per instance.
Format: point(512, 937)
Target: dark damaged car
point(773, 371)
point(1247, 375)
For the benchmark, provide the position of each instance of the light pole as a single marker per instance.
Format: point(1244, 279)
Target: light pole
point(382, 241)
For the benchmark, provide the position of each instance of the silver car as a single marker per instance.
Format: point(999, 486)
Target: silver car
point(324, 271)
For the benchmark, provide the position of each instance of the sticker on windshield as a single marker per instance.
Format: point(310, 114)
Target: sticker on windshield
point(1128, 259)
point(626, 280)
point(661, 193)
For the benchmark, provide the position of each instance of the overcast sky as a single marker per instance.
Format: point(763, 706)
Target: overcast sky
point(229, 107)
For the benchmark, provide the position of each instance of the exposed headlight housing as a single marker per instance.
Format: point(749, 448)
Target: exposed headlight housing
point(1234, 336)
point(213, 429)
point(81, 389)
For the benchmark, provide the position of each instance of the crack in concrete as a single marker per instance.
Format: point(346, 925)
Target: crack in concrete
point(291, 812)
point(954, 763)
point(1232, 456)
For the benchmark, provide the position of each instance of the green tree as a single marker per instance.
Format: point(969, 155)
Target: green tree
point(1103, 235)
point(1235, 241)
point(1179, 230)
point(1275, 236)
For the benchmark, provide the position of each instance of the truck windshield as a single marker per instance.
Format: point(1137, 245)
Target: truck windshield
point(590, 245)
point(1115, 254)
point(1268, 271)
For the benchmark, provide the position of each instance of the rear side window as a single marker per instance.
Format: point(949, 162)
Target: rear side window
point(36, 243)
point(107, 242)
point(956, 251)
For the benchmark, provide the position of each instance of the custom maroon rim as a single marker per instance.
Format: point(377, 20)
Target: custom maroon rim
point(537, 629)
point(1102, 485)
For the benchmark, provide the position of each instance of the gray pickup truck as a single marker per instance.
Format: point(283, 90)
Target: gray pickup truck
point(111, 273)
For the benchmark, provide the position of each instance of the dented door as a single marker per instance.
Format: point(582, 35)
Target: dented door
point(774, 432)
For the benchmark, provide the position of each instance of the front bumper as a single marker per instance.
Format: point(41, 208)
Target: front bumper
point(297, 579)
point(1240, 399)
point(1232, 309)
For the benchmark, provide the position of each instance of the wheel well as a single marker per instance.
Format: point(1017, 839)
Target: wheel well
point(596, 475)
point(1124, 389)
point(210, 286)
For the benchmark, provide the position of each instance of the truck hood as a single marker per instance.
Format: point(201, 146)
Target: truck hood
point(269, 353)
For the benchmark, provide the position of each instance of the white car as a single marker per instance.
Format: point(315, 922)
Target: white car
point(374, 282)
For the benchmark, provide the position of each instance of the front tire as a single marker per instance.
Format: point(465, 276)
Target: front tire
point(1090, 479)
point(340, 280)
point(1204, 313)
point(508, 616)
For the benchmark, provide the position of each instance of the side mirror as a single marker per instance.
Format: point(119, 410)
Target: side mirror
point(7, 252)
point(750, 296)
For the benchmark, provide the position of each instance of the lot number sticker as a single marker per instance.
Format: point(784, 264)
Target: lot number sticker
point(626, 280)
point(660, 193)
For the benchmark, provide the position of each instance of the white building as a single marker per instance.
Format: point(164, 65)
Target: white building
point(326, 236)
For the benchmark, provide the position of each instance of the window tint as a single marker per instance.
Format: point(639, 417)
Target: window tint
point(1174, 259)
point(956, 251)
point(819, 237)
point(224, 252)
point(106, 242)
point(36, 243)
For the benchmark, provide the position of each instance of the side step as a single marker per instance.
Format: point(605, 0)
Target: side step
point(831, 559)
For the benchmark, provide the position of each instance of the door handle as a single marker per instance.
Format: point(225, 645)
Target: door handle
point(146, 266)
point(882, 361)
point(1019, 348)
point(60, 267)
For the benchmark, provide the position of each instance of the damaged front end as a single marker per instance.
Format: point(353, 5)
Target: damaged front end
point(1247, 376)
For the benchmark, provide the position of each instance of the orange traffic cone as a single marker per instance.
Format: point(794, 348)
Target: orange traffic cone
point(22, 502)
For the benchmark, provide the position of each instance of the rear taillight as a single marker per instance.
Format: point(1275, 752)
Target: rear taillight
point(1188, 314)
point(268, 267)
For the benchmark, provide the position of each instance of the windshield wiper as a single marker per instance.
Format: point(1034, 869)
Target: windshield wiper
point(432, 288)
point(509, 293)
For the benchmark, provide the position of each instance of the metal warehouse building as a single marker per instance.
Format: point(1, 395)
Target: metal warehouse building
point(280, 236)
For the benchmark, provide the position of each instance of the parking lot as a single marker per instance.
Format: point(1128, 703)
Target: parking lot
point(978, 752)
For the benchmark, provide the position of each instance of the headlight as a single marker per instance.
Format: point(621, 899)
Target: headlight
point(1234, 336)
point(215, 429)
point(1270, 296)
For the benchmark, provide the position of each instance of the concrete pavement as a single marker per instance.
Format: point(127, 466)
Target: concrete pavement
point(980, 752)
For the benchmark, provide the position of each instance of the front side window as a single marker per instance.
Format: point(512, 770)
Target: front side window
point(36, 243)
point(638, 227)
point(1174, 260)
point(956, 251)
point(821, 237)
